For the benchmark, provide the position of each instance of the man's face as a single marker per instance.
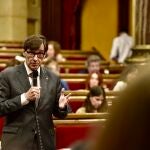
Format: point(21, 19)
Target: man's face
point(94, 67)
point(34, 59)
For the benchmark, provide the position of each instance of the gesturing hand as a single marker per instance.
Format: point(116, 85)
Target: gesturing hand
point(63, 100)
point(33, 93)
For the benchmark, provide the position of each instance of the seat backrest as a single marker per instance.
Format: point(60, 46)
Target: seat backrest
point(1, 125)
point(67, 134)
point(75, 104)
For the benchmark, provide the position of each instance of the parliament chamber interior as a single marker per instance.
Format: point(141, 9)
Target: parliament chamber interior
point(73, 25)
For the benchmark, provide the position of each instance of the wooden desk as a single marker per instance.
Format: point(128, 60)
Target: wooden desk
point(85, 92)
point(11, 50)
point(85, 76)
point(76, 68)
point(11, 44)
point(80, 62)
point(76, 84)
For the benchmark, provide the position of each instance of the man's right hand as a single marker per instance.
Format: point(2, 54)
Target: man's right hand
point(33, 93)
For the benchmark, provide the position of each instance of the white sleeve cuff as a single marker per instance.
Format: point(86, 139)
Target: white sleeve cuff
point(24, 101)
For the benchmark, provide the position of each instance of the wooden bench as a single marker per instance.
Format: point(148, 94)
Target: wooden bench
point(76, 84)
point(69, 131)
point(85, 92)
point(11, 50)
point(10, 53)
point(3, 66)
point(76, 68)
point(10, 44)
point(7, 56)
point(76, 102)
point(85, 76)
point(78, 54)
point(78, 81)
point(80, 62)
point(74, 127)
point(78, 97)
point(72, 116)
point(82, 52)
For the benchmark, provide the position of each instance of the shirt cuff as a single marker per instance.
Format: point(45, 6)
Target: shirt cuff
point(24, 100)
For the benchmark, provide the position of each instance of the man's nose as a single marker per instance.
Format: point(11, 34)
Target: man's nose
point(35, 57)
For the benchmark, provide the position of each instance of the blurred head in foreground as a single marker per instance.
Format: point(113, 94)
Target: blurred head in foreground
point(128, 127)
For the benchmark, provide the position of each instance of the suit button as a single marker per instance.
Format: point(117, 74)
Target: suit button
point(34, 130)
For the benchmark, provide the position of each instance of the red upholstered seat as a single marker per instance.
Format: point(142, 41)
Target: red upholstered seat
point(1, 125)
point(75, 104)
point(76, 58)
point(76, 85)
point(68, 134)
point(70, 70)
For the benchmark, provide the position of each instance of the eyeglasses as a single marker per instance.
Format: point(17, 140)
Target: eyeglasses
point(39, 55)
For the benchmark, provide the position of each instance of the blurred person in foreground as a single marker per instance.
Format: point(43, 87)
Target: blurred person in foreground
point(127, 76)
point(128, 126)
point(29, 96)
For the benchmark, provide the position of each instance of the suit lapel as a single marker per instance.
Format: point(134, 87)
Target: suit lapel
point(23, 81)
point(23, 77)
point(25, 84)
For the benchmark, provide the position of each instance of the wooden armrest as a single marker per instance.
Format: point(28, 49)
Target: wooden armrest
point(11, 50)
point(79, 62)
point(11, 44)
point(3, 65)
point(75, 75)
point(85, 92)
point(3, 54)
point(78, 121)
point(87, 116)
point(5, 60)
point(67, 51)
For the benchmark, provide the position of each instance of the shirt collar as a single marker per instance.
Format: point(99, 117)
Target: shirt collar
point(29, 70)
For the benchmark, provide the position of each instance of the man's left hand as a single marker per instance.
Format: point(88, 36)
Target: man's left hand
point(63, 100)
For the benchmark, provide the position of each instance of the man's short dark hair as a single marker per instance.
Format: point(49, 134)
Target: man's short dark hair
point(93, 58)
point(33, 42)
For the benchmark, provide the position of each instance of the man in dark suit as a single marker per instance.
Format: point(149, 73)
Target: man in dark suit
point(28, 104)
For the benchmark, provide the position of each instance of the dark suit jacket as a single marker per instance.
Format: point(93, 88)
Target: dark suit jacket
point(20, 126)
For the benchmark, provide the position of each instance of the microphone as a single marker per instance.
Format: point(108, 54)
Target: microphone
point(35, 74)
point(40, 142)
point(34, 82)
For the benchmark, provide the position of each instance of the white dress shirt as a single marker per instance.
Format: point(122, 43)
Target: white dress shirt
point(24, 100)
